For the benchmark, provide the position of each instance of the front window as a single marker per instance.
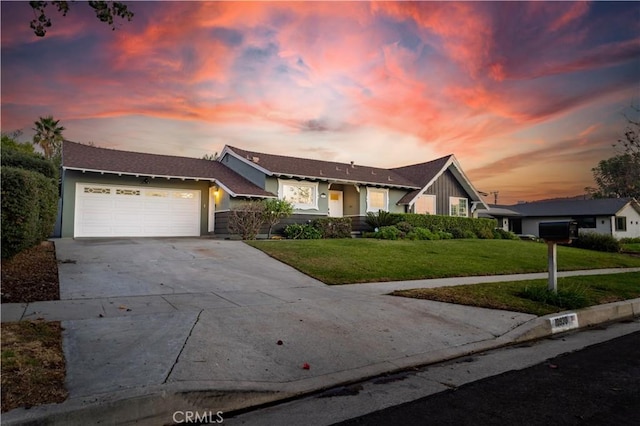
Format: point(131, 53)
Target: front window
point(458, 207)
point(377, 199)
point(303, 195)
point(588, 222)
point(425, 204)
point(621, 223)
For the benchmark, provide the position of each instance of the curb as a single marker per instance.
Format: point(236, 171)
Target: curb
point(156, 405)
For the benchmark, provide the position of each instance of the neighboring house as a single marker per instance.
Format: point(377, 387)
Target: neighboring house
point(107, 192)
point(619, 217)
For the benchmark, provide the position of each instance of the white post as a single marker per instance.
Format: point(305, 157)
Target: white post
point(553, 266)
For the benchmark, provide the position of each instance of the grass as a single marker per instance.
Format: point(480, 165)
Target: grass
point(517, 295)
point(33, 365)
point(348, 261)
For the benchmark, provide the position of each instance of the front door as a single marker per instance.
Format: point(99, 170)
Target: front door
point(335, 204)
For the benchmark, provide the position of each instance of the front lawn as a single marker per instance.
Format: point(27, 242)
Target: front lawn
point(348, 261)
point(513, 295)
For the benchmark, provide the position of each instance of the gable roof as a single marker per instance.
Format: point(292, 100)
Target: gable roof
point(290, 167)
point(594, 207)
point(425, 174)
point(76, 156)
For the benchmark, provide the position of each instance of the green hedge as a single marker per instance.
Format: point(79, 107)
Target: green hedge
point(597, 242)
point(33, 162)
point(29, 207)
point(460, 227)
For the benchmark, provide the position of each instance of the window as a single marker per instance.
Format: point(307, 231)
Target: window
point(377, 199)
point(303, 195)
point(621, 223)
point(425, 204)
point(458, 207)
point(588, 222)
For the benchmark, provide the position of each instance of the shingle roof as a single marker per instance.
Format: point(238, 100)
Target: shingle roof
point(324, 170)
point(84, 157)
point(595, 207)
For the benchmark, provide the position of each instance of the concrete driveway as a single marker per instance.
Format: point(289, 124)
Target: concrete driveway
point(151, 316)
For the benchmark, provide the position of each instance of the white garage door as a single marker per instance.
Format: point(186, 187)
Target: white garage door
point(134, 211)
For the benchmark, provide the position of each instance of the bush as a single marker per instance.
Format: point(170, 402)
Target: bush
point(630, 240)
point(302, 232)
point(501, 234)
point(422, 234)
point(28, 209)
point(405, 226)
point(380, 219)
point(274, 211)
point(247, 219)
point(33, 162)
point(390, 233)
point(333, 227)
point(482, 228)
point(598, 242)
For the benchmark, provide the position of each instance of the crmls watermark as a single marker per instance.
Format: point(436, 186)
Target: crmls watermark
point(198, 417)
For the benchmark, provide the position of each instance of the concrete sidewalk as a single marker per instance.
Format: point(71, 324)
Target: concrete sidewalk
point(238, 334)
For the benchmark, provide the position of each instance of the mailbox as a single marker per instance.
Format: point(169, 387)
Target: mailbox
point(561, 231)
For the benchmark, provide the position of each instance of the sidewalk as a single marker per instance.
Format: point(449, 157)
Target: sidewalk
point(139, 359)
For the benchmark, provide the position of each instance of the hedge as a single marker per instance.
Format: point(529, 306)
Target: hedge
point(29, 207)
point(463, 226)
point(33, 162)
point(334, 227)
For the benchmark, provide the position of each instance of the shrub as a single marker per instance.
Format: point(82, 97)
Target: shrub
point(598, 242)
point(334, 227)
point(482, 228)
point(419, 233)
point(274, 211)
point(21, 227)
point(630, 240)
point(302, 232)
point(247, 219)
point(33, 162)
point(500, 233)
point(390, 233)
point(47, 206)
point(405, 226)
point(380, 219)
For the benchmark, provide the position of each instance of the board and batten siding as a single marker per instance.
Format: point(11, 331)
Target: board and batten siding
point(444, 187)
point(250, 173)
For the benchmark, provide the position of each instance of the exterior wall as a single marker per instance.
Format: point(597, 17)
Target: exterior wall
point(444, 187)
point(633, 223)
point(351, 200)
point(245, 170)
point(71, 177)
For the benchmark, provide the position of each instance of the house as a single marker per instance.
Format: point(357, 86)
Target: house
point(108, 193)
point(619, 217)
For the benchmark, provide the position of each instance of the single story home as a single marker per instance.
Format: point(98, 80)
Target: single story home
point(113, 193)
point(618, 217)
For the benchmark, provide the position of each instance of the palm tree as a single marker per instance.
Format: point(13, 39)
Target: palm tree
point(48, 136)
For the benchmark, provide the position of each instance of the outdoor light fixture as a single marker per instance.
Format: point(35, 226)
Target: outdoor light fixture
point(145, 181)
point(323, 195)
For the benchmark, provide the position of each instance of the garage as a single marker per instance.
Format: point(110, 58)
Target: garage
point(135, 211)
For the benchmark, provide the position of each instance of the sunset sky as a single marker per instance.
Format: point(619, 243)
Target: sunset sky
point(529, 96)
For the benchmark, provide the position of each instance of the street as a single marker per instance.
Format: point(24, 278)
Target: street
point(598, 385)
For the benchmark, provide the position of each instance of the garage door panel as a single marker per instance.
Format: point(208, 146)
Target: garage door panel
point(119, 211)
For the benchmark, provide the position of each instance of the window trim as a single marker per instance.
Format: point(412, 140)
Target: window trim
point(433, 197)
point(282, 183)
point(451, 204)
point(384, 192)
point(624, 228)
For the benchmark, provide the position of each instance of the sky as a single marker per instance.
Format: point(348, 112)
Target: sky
point(529, 96)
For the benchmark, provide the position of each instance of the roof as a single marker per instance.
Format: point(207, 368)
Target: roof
point(279, 165)
point(76, 156)
point(572, 207)
point(497, 210)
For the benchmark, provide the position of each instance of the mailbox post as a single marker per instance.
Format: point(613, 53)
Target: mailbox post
point(553, 233)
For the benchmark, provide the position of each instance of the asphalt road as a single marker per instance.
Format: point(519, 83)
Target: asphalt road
point(599, 385)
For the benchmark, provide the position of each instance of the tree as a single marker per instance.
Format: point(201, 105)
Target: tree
point(49, 137)
point(105, 11)
point(619, 176)
point(10, 142)
point(276, 210)
point(210, 157)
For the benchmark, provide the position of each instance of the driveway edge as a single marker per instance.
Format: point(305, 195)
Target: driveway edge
point(155, 405)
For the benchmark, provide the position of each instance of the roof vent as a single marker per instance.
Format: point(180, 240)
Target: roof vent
point(353, 166)
point(389, 178)
point(255, 159)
